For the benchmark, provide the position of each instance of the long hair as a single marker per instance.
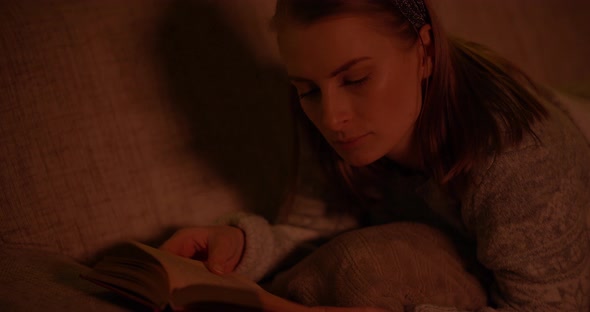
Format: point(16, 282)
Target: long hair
point(474, 102)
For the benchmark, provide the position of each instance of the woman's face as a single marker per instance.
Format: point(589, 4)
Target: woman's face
point(358, 83)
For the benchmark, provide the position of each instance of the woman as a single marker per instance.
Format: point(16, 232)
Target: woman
point(393, 105)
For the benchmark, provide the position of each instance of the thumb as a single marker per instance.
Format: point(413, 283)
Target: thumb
point(225, 249)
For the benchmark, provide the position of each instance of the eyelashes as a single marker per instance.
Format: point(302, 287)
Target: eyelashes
point(357, 82)
point(308, 93)
point(345, 83)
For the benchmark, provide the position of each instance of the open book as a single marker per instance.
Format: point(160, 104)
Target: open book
point(162, 281)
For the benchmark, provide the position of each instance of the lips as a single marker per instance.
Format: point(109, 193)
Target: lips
point(350, 143)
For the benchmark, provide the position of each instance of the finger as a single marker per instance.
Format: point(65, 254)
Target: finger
point(187, 242)
point(226, 245)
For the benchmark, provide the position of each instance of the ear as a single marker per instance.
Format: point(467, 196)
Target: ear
point(425, 50)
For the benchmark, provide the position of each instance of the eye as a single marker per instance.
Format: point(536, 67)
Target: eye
point(356, 81)
point(311, 92)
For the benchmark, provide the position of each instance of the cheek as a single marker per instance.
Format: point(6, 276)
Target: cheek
point(400, 94)
point(310, 112)
point(313, 113)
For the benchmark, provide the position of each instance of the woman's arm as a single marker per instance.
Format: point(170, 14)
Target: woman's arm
point(269, 246)
point(529, 215)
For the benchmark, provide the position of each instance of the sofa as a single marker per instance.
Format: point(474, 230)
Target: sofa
point(130, 119)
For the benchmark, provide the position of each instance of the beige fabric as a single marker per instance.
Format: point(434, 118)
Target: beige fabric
point(40, 281)
point(543, 37)
point(124, 119)
point(111, 119)
point(578, 109)
point(395, 266)
point(112, 127)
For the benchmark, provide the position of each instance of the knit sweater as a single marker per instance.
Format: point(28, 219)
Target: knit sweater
point(526, 209)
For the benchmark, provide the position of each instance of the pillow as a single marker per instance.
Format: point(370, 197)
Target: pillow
point(393, 266)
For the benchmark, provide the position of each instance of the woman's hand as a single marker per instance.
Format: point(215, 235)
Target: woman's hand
point(219, 247)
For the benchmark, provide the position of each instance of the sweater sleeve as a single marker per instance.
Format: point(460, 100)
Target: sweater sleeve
point(529, 216)
point(269, 247)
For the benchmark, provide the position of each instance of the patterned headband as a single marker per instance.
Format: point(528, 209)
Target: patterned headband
point(414, 10)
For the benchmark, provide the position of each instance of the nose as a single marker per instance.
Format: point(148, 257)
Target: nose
point(336, 111)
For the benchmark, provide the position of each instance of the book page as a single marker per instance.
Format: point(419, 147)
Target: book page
point(194, 287)
point(183, 272)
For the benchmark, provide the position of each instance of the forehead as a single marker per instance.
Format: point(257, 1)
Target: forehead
point(321, 46)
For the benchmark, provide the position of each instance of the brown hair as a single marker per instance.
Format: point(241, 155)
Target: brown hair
point(475, 102)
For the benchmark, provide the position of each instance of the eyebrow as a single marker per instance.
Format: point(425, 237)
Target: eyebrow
point(338, 70)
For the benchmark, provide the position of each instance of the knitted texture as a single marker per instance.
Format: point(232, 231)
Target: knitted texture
point(527, 211)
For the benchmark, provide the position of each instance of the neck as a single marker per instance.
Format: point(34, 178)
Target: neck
point(408, 155)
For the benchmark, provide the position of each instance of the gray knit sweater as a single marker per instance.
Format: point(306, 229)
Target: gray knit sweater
point(527, 209)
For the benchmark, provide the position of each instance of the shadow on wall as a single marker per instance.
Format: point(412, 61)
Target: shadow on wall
point(238, 111)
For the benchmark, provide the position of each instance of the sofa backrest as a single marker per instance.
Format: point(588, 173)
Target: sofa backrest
point(127, 119)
